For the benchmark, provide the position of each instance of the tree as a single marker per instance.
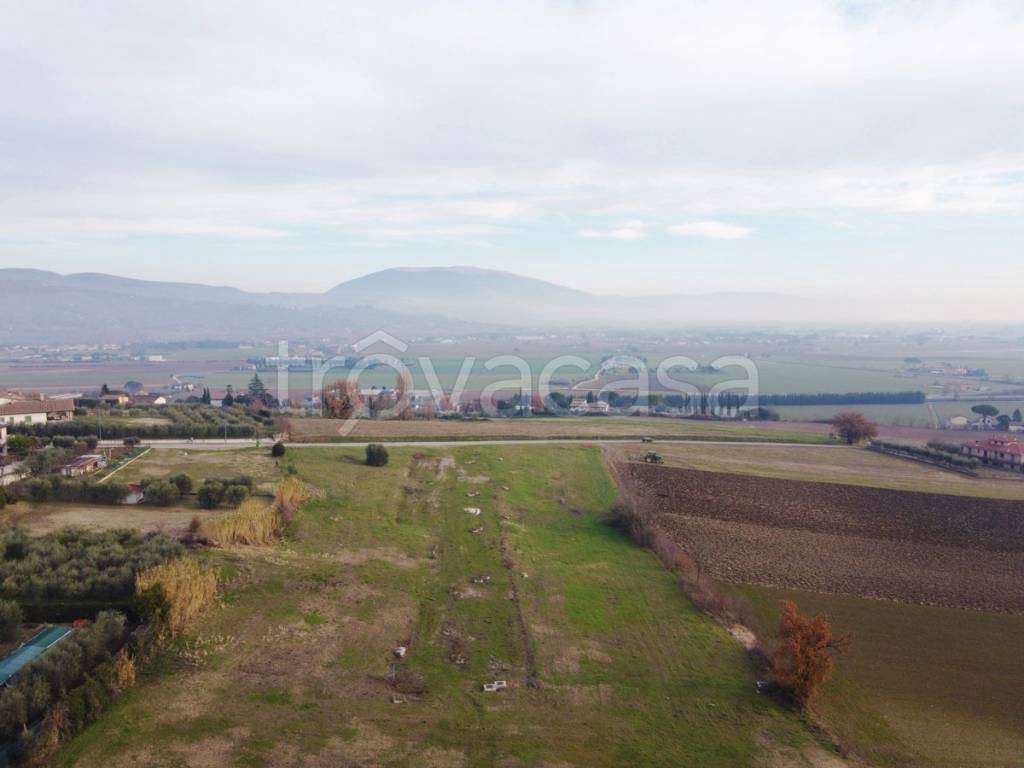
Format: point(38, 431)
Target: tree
point(340, 400)
point(1017, 417)
point(10, 620)
point(184, 484)
point(986, 410)
point(104, 390)
point(133, 387)
point(229, 398)
point(235, 495)
point(256, 386)
point(161, 493)
point(853, 428)
point(19, 446)
point(278, 450)
point(376, 455)
point(1004, 422)
point(403, 387)
point(210, 494)
point(3, 497)
point(805, 656)
point(205, 399)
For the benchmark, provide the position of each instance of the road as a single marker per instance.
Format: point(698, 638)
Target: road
point(227, 445)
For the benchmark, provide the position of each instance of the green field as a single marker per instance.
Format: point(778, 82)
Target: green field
point(919, 686)
point(291, 670)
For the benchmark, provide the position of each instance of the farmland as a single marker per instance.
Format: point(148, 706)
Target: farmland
point(536, 590)
point(926, 684)
point(838, 464)
point(919, 685)
point(328, 430)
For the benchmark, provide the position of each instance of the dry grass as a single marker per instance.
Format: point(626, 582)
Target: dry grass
point(254, 522)
point(188, 586)
point(258, 523)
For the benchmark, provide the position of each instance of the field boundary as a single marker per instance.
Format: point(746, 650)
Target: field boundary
point(127, 463)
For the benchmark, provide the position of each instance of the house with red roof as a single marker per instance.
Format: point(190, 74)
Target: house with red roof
point(1004, 452)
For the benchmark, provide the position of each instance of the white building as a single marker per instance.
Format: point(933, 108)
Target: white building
point(36, 411)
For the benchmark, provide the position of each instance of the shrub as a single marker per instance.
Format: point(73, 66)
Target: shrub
point(187, 586)
point(184, 484)
point(254, 522)
point(210, 494)
point(10, 620)
point(235, 495)
point(162, 493)
point(278, 450)
point(376, 455)
point(805, 656)
point(3, 497)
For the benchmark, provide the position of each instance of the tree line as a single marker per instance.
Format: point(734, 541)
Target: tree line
point(845, 398)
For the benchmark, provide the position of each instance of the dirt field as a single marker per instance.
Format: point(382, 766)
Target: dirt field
point(322, 430)
point(200, 465)
point(38, 519)
point(926, 548)
point(851, 466)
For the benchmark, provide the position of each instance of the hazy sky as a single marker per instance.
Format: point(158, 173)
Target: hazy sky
point(804, 146)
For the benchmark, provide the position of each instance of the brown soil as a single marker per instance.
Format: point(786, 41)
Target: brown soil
point(919, 547)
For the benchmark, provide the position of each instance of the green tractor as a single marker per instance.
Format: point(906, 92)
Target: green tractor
point(652, 457)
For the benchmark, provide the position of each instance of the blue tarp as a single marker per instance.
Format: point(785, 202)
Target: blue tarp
point(13, 662)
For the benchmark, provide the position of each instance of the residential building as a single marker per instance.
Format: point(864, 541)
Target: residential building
point(84, 465)
point(1007, 453)
point(149, 400)
point(958, 422)
point(36, 411)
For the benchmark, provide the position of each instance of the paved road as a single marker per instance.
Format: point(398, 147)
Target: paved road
point(222, 445)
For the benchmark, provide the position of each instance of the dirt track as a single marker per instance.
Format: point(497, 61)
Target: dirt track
point(919, 547)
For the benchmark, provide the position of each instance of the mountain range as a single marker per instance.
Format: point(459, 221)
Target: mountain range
point(42, 307)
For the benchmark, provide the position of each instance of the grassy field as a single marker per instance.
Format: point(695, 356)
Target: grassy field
point(919, 686)
point(327, 430)
point(162, 463)
point(836, 464)
point(292, 669)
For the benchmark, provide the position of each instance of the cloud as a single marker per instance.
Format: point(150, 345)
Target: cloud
point(407, 123)
point(633, 230)
point(715, 230)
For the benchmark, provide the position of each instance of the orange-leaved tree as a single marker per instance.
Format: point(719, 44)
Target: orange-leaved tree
point(805, 655)
point(340, 400)
point(852, 428)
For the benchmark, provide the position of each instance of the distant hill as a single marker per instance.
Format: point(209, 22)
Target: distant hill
point(480, 294)
point(45, 307)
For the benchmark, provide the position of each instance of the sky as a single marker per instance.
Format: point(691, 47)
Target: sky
point(801, 146)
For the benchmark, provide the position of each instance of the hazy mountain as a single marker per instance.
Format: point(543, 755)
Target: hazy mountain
point(44, 307)
point(479, 294)
point(47, 308)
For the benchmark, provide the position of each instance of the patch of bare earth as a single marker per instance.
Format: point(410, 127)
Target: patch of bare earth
point(932, 549)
